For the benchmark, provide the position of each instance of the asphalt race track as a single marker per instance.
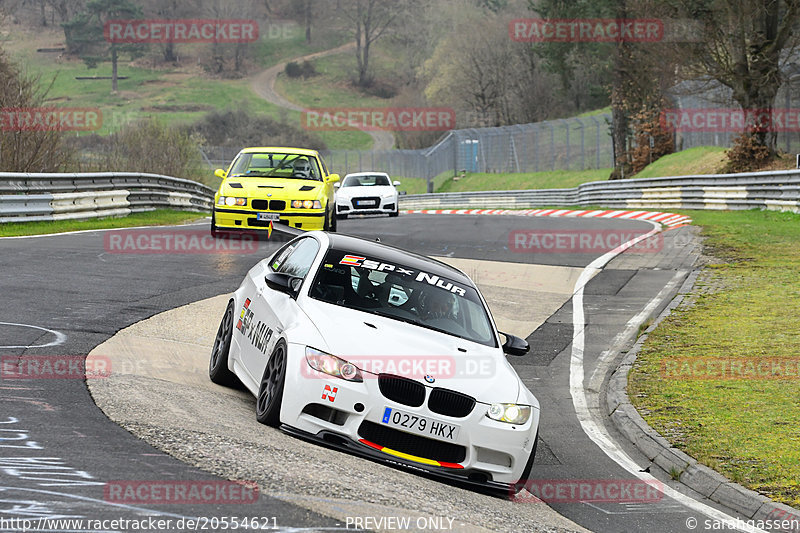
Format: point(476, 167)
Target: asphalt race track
point(64, 295)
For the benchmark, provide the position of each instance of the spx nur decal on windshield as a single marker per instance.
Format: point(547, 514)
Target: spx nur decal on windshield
point(436, 281)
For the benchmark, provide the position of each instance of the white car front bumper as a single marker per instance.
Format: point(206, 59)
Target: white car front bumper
point(484, 450)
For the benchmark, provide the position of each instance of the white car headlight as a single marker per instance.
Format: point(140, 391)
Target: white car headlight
point(332, 365)
point(509, 412)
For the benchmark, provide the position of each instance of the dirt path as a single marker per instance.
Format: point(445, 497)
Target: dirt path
point(264, 86)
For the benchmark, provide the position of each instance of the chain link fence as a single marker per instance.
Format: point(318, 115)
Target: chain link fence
point(578, 143)
point(566, 144)
point(709, 95)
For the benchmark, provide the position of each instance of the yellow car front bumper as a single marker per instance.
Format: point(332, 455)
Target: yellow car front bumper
point(306, 219)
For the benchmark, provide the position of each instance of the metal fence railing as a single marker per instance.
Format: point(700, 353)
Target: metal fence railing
point(779, 190)
point(26, 197)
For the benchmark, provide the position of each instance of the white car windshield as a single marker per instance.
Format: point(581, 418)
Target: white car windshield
point(402, 293)
point(366, 181)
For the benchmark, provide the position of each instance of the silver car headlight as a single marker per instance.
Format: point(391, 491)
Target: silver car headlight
point(332, 365)
point(509, 412)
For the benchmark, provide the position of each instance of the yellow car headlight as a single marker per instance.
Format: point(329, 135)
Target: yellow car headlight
point(231, 201)
point(306, 204)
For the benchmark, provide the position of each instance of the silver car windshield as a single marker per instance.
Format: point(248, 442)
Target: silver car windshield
point(405, 294)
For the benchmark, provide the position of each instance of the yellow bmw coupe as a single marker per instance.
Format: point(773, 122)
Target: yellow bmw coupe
point(274, 185)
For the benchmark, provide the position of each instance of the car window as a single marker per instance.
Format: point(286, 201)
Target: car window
point(296, 258)
point(398, 292)
point(280, 165)
point(325, 171)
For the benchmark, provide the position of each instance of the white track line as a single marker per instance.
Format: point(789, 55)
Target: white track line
point(60, 338)
point(593, 427)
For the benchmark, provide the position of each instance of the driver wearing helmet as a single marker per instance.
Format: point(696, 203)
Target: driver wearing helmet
point(436, 303)
point(301, 168)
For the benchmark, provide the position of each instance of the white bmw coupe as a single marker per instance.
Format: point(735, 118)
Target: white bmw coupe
point(380, 352)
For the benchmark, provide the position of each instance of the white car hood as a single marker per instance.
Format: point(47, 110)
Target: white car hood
point(372, 190)
point(403, 349)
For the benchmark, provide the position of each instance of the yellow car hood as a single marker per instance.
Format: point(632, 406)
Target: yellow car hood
point(278, 187)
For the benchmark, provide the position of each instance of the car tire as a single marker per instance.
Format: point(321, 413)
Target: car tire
point(218, 370)
point(341, 216)
point(213, 225)
point(396, 213)
point(334, 220)
point(526, 472)
point(270, 391)
point(330, 222)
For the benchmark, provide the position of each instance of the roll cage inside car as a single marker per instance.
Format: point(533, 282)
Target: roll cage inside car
point(276, 165)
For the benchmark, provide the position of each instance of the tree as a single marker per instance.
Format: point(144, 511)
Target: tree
point(745, 46)
point(66, 9)
point(369, 20)
point(85, 37)
point(170, 10)
point(225, 9)
point(559, 54)
point(479, 70)
point(635, 76)
point(24, 149)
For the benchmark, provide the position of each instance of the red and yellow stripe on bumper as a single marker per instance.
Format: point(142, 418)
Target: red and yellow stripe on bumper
point(409, 457)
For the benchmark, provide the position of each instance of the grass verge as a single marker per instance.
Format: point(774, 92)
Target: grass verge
point(159, 217)
point(557, 179)
point(698, 160)
point(745, 427)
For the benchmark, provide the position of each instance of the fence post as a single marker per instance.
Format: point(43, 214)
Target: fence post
point(597, 140)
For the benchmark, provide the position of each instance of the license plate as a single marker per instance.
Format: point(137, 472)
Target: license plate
point(366, 203)
point(419, 424)
point(275, 217)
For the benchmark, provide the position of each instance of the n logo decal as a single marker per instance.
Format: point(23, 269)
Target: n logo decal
point(329, 393)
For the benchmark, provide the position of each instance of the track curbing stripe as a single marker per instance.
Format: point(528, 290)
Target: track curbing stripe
point(671, 220)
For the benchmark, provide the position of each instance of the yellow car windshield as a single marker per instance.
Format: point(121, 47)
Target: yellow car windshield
point(276, 165)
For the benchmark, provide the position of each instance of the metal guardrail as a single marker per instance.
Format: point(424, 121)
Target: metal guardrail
point(26, 197)
point(76, 196)
point(765, 190)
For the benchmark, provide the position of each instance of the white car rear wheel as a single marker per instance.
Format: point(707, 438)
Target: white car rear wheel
point(218, 370)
